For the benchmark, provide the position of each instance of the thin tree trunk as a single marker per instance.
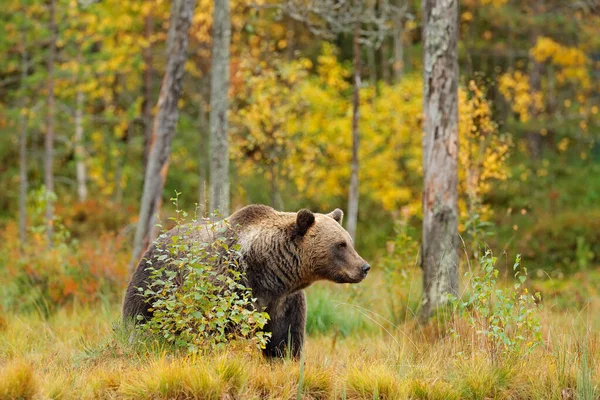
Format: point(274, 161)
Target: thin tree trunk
point(80, 169)
point(372, 65)
point(219, 104)
point(121, 159)
point(385, 63)
point(353, 194)
point(147, 89)
point(398, 65)
point(440, 154)
point(49, 140)
point(165, 124)
point(23, 150)
point(202, 162)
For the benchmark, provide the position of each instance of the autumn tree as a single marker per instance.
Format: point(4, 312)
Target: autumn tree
point(219, 105)
point(367, 22)
point(439, 256)
point(165, 124)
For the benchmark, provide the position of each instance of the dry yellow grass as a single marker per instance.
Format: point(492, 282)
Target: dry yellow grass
point(78, 354)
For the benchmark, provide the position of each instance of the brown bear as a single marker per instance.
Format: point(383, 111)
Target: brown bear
point(283, 253)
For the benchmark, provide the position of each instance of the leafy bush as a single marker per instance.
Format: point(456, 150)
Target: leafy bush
point(198, 297)
point(568, 242)
point(504, 319)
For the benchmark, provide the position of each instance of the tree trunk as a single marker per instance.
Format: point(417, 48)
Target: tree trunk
point(165, 124)
point(80, 169)
point(353, 194)
point(440, 154)
point(147, 89)
point(372, 65)
point(385, 63)
point(49, 140)
point(23, 150)
point(398, 65)
point(202, 162)
point(219, 104)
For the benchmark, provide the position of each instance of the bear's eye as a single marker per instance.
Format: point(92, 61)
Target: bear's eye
point(341, 245)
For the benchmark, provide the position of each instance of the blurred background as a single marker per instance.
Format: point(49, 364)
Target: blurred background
point(529, 121)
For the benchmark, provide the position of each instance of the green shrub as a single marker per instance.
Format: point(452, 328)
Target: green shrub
point(504, 320)
point(399, 266)
point(566, 243)
point(198, 297)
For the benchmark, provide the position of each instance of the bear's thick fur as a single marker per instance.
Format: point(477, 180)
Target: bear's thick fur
point(283, 253)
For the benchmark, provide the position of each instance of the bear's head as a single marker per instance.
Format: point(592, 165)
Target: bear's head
point(327, 248)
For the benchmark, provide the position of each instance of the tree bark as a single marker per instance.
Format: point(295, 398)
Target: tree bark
point(353, 194)
point(23, 150)
point(398, 64)
point(165, 124)
point(440, 154)
point(147, 89)
point(219, 104)
point(203, 159)
point(80, 169)
point(49, 140)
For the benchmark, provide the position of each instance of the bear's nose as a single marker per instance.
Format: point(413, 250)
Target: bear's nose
point(365, 268)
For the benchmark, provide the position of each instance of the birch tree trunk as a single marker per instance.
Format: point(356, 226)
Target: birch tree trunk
point(219, 104)
point(203, 127)
point(80, 169)
point(353, 194)
point(23, 150)
point(165, 124)
point(148, 83)
point(49, 140)
point(398, 64)
point(440, 153)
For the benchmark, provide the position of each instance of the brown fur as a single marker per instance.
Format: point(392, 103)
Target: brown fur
point(283, 253)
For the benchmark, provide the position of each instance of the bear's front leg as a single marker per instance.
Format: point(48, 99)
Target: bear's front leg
point(288, 319)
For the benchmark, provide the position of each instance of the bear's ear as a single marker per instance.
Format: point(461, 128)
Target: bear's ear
point(304, 220)
point(337, 214)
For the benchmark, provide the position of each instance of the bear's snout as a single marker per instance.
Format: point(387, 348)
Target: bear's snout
point(365, 268)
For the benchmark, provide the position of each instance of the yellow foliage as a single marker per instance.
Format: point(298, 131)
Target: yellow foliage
point(299, 126)
point(515, 88)
point(572, 61)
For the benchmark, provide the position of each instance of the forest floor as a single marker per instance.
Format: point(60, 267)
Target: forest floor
point(82, 352)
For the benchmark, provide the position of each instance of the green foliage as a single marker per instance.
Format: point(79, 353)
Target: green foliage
point(399, 265)
point(585, 385)
point(198, 297)
point(505, 320)
point(329, 311)
point(569, 242)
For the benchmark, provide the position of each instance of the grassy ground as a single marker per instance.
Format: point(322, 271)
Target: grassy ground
point(351, 352)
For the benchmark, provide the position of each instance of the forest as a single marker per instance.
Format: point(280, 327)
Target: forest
point(461, 140)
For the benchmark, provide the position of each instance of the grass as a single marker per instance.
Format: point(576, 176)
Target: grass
point(82, 352)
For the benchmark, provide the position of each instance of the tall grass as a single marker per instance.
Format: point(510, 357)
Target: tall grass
point(82, 353)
